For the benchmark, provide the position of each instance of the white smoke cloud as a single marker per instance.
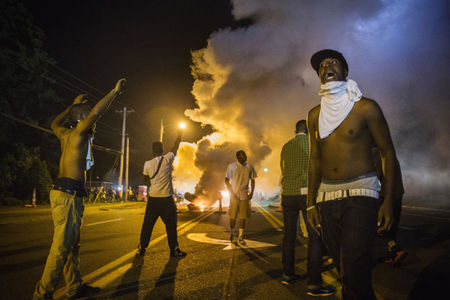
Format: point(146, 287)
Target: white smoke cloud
point(252, 84)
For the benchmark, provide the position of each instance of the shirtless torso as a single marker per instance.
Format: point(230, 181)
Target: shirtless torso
point(347, 152)
point(74, 146)
point(74, 141)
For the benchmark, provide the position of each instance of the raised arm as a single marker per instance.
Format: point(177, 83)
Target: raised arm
point(57, 123)
point(314, 175)
point(379, 130)
point(99, 109)
point(176, 145)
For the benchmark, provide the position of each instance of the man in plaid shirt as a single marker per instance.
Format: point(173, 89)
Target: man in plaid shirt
point(294, 167)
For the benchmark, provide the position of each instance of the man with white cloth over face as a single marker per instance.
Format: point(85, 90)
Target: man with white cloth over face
point(343, 203)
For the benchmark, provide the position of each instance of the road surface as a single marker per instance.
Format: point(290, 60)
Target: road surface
point(213, 269)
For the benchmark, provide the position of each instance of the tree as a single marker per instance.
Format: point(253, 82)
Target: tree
point(25, 94)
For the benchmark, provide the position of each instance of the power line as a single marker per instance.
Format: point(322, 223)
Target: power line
point(76, 91)
point(52, 80)
point(67, 81)
point(26, 122)
point(87, 84)
point(80, 80)
point(143, 121)
point(49, 131)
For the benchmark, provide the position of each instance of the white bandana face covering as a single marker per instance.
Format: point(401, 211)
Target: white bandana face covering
point(338, 98)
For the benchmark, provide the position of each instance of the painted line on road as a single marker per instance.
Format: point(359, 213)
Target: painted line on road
point(406, 228)
point(329, 276)
point(102, 222)
point(426, 216)
point(202, 238)
point(228, 286)
point(271, 219)
point(90, 278)
point(278, 221)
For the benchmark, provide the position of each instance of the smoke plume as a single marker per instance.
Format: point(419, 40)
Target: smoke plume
point(253, 84)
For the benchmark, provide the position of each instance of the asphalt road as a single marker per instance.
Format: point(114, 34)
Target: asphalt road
point(213, 269)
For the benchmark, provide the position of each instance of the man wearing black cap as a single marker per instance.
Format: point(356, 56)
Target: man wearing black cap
point(343, 189)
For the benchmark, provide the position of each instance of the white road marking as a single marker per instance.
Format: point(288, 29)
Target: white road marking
point(406, 228)
point(110, 277)
point(97, 277)
point(274, 221)
point(102, 222)
point(202, 238)
point(426, 216)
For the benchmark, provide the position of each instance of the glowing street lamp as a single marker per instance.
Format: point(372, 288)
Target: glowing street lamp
point(182, 125)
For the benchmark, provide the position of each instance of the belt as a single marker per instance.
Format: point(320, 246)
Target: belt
point(67, 191)
point(338, 195)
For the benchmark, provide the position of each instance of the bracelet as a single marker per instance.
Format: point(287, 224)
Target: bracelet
point(310, 207)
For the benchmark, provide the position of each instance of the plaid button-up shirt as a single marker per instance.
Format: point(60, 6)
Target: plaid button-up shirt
point(294, 165)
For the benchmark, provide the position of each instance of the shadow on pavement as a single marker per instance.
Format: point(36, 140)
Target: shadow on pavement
point(129, 286)
point(433, 281)
point(166, 280)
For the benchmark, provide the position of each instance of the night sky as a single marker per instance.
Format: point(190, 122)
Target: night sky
point(149, 43)
point(251, 75)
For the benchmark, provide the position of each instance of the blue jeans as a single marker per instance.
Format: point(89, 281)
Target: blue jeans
point(348, 230)
point(67, 214)
point(292, 205)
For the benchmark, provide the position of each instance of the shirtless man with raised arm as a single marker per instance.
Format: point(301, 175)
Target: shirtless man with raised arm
point(343, 189)
point(66, 196)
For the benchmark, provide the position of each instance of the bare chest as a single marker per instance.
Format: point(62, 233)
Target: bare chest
point(351, 130)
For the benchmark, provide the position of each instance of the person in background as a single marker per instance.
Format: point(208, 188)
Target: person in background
point(294, 170)
point(239, 175)
point(394, 254)
point(160, 200)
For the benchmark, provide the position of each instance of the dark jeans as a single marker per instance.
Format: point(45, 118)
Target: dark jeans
point(348, 230)
point(292, 205)
point(166, 209)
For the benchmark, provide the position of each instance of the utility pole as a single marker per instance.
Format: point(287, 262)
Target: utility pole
point(162, 131)
point(126, 168)
point(124, 124)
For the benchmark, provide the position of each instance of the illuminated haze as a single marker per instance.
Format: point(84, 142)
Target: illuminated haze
point(252, 84)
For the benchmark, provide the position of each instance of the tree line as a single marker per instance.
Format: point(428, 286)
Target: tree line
point(28, 156)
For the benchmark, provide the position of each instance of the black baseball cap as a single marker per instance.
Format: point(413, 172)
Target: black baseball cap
point(317, 58)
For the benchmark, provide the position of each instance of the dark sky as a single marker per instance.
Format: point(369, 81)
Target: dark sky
point(149, 43)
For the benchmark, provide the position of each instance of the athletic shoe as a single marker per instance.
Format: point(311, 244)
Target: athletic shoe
point(399, 258)
point(177, 253)
point(85, 291)
point(324, 290)
point(327, 260)
point(140, 251)
point(396, 256)
point(241, 240)
point(289, 279)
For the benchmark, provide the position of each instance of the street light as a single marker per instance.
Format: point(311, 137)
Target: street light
point(182, 125)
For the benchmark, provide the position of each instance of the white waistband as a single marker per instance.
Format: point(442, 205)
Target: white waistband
point(340, 194)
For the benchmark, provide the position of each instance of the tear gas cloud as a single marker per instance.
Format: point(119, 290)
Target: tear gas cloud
point(253, 84)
